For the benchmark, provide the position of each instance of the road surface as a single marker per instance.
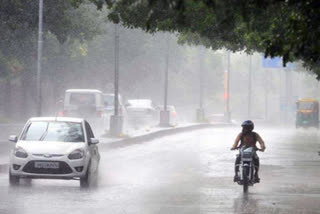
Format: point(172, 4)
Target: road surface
point(185, 173)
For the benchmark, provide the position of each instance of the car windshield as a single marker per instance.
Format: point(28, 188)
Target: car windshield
point(305, 106)
point(82, 99)
point(54, 131)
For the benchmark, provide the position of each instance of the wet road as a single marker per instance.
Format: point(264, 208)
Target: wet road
point(187, 173)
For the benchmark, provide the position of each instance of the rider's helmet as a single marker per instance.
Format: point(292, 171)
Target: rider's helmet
point(247, 125)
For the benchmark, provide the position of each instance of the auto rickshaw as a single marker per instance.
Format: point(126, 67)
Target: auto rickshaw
point(307, 113)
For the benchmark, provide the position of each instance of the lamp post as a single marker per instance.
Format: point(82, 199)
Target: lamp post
point(249, 87)
point(164, 113)
point(200, 110)
point(116, 120)
point(227, 89)
point(39, 63)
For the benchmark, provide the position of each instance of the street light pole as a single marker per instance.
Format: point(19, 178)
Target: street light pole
point(227, 89)
point(249, 87)
point(165, 114)
point(266, 87)
point(39, 63)
point(200, 110)
point(116, 120)
point(116, 71)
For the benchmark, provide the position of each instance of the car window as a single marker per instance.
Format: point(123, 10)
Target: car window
point(305, 106)
point(35, 130)
point(89, 131)
point(54, 131)
point(108, 100)
point(82, 99)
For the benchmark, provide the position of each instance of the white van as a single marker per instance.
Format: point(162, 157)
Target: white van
point(84, 103)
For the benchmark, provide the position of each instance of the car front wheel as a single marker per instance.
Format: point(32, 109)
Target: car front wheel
point(84, 181)
point(13, 180)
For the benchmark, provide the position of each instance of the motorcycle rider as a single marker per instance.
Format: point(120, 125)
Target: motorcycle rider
point(248, 138)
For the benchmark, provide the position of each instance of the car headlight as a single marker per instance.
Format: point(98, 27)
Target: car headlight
point(76, 154)
point(20, 153)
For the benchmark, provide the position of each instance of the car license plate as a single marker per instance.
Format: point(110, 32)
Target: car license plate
point(46, 165)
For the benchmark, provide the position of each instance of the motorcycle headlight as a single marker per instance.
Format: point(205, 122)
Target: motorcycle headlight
point(76, 154)
point(20, 153)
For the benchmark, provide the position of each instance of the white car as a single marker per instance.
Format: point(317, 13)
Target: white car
point(55, 148)
point(141, 111)
point(108, 100)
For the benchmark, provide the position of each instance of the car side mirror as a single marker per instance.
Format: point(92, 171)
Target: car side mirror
point(94, 141)
point(13, 138)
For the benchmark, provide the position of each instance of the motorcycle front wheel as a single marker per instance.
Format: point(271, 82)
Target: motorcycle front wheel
point(245, 173)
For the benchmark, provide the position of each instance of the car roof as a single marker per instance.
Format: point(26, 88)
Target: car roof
point(110, 94)
point(307, 100)
point(60, 119)
point(83, 91)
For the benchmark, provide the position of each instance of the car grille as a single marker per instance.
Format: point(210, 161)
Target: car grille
point(63, 168)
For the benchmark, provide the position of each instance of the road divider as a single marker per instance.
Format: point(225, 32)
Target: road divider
point(118, 143)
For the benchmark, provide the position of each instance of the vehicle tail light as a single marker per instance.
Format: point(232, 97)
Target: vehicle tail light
point(99, 113)
point(174, 113)
point(60, 114)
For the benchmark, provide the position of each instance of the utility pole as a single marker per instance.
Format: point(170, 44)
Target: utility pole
point(227, 114)
point(249, 87)
point(288, 94)
point(116, 71)
point(200, 110)
point(116, 120)
point(165, 114)
point(266, 93)
point(39, 63)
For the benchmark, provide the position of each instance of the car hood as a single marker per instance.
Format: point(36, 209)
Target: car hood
point(49, 147)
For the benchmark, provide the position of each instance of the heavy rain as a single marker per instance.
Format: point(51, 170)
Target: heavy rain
point(149, 106)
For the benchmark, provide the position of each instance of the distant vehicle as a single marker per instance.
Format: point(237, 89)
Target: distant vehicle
point(141, 111)
point(108, 102)
point(173, 113)
point(108, 108)
point(54, 148)
point(84, 103)
point(307, 113)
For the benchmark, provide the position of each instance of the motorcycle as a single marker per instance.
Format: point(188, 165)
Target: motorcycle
point(247, 167)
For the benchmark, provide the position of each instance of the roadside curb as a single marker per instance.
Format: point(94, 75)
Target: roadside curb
point(161, 133)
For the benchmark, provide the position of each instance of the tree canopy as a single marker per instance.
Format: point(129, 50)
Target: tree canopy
point(19, 26)
point(285, 28)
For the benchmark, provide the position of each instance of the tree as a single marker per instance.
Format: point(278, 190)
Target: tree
point(63, 25)
point(285, 28)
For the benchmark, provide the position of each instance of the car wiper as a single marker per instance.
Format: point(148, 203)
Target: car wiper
point(44, 133)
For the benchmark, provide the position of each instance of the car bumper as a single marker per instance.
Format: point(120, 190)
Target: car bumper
point(68, 169)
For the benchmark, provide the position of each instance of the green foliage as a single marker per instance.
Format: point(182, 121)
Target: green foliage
point(19, 30)
point(286, 28)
